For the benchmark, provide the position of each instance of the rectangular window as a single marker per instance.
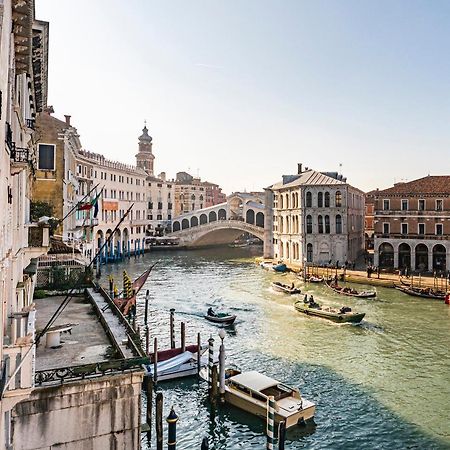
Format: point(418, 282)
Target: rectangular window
point(385, 228)
point(46, 154)
point(421, 205)
point(386, 205)
point(404, 228)
point(439, 229)
point(439, 205)
point(404, 205)
point(421, 229)
point(160, 206)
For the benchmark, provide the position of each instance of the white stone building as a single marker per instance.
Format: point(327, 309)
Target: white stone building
point(23, 74)
point(314, 217)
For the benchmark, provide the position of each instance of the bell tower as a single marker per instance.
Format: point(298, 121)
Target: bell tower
point(145, 157)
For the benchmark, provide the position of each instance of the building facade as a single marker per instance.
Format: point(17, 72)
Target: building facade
point(23, 74)
point(369, 215)
point(412, 225)
point(314, 217)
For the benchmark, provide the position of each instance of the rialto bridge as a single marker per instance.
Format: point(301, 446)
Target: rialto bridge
point(221, 224)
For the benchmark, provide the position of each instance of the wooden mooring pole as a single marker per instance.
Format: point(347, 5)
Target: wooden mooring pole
point(159, 421)
point(214, 385)
point(172, 328)
point(183, 337)
point(155, 360)
point(199, 354)
point(147, 297)
point(281, 435)
point(149, 393)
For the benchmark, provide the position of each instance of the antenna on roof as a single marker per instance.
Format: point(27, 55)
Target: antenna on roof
point(340, 167)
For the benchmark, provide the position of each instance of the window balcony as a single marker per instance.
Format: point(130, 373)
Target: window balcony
point(20, 159)
point(438, 237)
point(30, 124)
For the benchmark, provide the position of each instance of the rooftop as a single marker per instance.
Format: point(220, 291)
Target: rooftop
point(431, 184)
point(310, 177)
point(87, 342)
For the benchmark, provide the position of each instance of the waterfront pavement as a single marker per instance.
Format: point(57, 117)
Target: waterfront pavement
point(384, 279)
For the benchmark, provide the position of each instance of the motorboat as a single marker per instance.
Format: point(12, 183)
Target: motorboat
point(176, 363)
point(285, 288)
point(342, 315)
point(220, 318)
point(250, 391)
point(281, 267)
point(350, 292)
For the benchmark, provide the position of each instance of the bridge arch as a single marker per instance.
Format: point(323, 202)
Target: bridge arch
point(259, 222)
point(176, 226)
point(212, 216)
point(194, 221)
point(221, 214)
point(203, 219)
point(184, 224)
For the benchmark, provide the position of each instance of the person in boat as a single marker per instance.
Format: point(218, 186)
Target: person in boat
point(305, 300)
point(292, 285)
point(211, 312)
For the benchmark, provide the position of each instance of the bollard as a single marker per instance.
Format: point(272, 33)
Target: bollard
point(281, 435)
point(205, 445)
point(111, 284)
point(270, 422)
point(147, 296)
point(158, 421)
point(222, 366)
point(172, 328)
point(149, 393)
point(210, 359)
point(172, 420)
point(199, 354)
point(155, 360)
point(183, 337)
point(214, 383)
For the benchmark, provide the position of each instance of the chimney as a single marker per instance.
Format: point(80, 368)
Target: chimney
point(299, 168)
point(67, 119)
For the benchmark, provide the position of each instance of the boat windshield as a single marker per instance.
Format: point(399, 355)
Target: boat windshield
point(279, 391)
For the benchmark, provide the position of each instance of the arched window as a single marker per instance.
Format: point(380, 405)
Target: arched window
point(308, 200)
point(327, 224)
point(192, 197)
point(287, 201)
point(338, 224)
point(281, 225)
point(320, 221)
point(201, 197)
point(327, 199)
point(320, 200)
point(338, 199)
point(281, 201)
point(308, 224)
point(309, 253)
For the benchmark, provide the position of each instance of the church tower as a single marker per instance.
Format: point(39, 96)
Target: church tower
point(145, 157)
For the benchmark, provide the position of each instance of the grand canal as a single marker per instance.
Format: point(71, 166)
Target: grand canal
point(382, 385)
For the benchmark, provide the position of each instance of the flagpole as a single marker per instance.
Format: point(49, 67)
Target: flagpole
point(74, 207)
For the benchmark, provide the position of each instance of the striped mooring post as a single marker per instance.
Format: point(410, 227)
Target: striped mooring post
point(270, 422)
point(210, 360)
point(172, 328)
point(172, 420)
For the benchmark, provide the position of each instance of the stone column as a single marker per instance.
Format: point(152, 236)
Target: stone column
point(376, 256)
point(447, 258)
point(413, 258)
point(396, 258)
point(430, 260)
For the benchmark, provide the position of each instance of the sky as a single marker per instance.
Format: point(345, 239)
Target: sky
point(239, 92)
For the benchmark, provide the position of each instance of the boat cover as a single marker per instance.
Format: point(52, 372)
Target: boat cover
point(254, 380)
point(172, 363)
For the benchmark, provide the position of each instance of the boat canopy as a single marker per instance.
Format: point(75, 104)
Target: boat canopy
point(254, 381)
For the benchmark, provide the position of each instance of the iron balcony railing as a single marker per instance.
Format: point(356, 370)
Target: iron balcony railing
point(65, 374)
point(20, 155)
point(30, 123)
point(439, 237)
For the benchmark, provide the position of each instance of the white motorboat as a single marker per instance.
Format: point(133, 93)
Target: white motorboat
point(179, 366)
point(250, 390)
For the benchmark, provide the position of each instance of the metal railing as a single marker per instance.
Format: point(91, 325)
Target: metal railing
point(439, 237)
point(30, 123)
point(20, 155)
point(63, 374)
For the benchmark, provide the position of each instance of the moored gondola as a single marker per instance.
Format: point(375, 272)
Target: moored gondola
point(421, 292)
point(350, 292)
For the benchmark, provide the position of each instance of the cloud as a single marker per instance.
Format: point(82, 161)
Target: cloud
point(208, 66)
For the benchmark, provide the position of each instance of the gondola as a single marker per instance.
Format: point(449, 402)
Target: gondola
point(351, 292)
point(221, 318)
point(285, 288)
point(421, 292)
point(342, 315)
point(313, 279)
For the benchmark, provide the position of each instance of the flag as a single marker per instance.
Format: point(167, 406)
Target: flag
point(95, 203)
point(84, 207)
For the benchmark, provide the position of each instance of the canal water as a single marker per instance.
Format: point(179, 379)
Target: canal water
point(384, 384)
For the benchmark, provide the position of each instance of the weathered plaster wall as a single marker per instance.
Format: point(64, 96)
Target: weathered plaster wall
point(94, 414)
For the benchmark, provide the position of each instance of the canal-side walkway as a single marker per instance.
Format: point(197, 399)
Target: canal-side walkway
point(360, 276)
point(119, 333)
